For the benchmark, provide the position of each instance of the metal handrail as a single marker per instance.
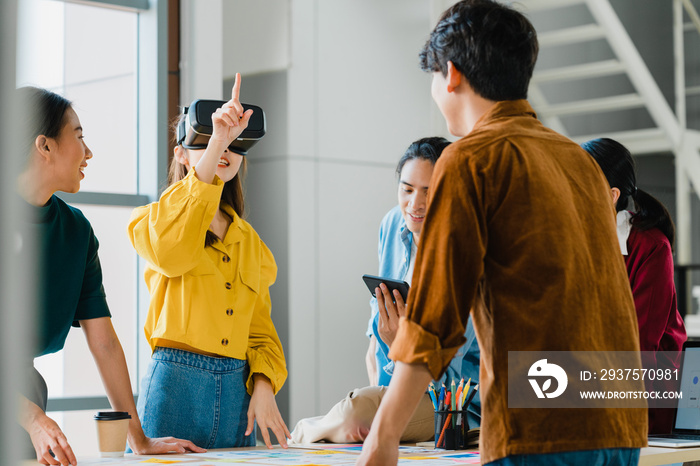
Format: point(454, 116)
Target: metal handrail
point(693, 13)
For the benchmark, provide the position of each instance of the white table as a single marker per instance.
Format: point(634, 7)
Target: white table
point(650, 456)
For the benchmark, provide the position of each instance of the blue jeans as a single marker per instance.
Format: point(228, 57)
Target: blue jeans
point(196, 397)
point(603, 457)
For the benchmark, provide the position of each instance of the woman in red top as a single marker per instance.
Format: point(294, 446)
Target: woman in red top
point(646, 238)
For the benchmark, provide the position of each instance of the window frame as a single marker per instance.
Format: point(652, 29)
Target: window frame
point(130, 5)
point(152, 158)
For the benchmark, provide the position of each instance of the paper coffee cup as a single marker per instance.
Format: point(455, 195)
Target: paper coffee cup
point(112, 427)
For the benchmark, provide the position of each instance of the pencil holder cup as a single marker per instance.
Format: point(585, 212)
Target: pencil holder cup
point(451, 428)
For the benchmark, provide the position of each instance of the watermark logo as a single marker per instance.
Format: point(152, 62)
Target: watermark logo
point(542, 369)
point(600, 379)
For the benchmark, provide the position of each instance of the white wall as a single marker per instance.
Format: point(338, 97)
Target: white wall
point(256, 36)
point(201, 50)
point(357, 99)
point(344, 96)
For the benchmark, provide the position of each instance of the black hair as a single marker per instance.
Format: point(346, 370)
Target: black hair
point(44, 114)
point(494, 46)
point(619, 169)
point(424, 149)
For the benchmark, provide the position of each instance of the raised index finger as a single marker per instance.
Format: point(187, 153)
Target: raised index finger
point(236, 89)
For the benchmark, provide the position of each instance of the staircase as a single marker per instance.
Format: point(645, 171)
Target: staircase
point(666, 130)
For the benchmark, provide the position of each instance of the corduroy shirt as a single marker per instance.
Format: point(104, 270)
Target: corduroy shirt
point(520, 228)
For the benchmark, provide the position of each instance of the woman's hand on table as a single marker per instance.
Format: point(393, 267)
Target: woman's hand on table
point(163, 445)
point(263, 408)
point(47, 437)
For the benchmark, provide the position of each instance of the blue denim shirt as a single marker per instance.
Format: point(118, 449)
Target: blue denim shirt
point(394, 258)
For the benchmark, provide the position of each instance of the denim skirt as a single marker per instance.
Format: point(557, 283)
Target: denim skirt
point(196, 397)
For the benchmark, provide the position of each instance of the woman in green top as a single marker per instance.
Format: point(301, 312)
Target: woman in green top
point(71, 278)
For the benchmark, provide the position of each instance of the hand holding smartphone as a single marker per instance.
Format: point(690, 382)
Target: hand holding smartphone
point(372, 282)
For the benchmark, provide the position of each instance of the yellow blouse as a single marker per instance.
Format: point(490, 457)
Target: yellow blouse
point(212, 300)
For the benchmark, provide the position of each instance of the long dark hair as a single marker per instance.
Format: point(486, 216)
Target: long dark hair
point(233, 189)
point(44, 115)
point(424, 149)
point(619, 168)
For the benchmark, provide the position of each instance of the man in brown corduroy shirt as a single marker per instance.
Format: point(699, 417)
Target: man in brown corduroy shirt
point(516, 232)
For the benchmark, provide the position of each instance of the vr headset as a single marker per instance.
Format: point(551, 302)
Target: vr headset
point(195, 129)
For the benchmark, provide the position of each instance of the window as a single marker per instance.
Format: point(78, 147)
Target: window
point(93, 54)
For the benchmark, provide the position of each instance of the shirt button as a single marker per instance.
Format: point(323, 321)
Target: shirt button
point(224, 342)
point(228, 285)
point(229, 312)
point(226, 259)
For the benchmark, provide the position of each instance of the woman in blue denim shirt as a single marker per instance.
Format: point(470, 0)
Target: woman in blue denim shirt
point(399, 233)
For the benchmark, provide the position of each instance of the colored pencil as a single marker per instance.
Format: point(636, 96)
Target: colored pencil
point(469, 400)
point(459, 393)
point(465, 391)
point(444, 426)
point(432, 398)
point(459, 406)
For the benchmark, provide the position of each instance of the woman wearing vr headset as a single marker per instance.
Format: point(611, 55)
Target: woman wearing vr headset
point(217, 360)
point(70, 275)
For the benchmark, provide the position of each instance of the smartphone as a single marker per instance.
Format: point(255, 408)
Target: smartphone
point(373, 282)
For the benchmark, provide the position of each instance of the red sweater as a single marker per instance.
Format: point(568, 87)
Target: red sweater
point(650, 268)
